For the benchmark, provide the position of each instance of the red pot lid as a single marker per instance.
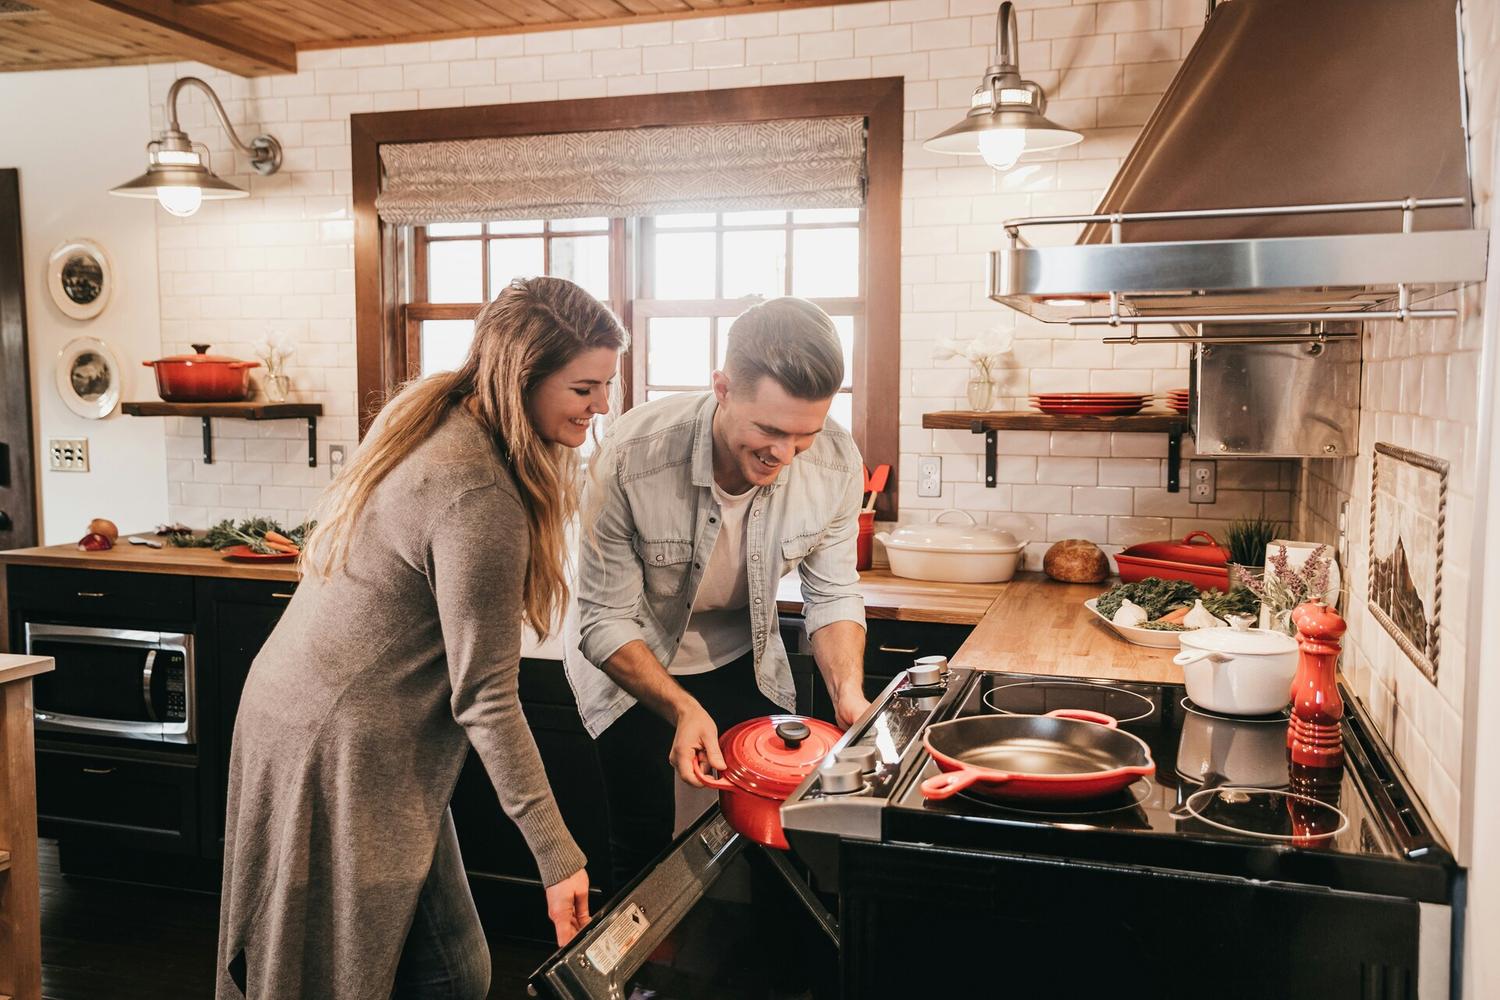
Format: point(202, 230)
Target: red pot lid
point(1198, 548)
point(202, 357)
point(772, 754)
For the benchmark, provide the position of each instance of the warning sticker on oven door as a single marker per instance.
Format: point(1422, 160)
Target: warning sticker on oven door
point(624, 930)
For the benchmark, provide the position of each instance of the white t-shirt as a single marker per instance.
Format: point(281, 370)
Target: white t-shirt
point(718, 630)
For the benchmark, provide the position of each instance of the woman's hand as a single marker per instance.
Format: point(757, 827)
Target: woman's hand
point(568, 905)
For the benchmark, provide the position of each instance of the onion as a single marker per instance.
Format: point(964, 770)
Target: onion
point(105, 527)
point(95, 542)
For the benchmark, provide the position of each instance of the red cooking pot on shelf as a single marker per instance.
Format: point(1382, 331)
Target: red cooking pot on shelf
point(202, 377)
point(765, 759)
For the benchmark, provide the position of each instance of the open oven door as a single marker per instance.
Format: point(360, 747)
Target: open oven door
point(716, 915)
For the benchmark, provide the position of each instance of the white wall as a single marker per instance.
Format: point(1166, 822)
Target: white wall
point(74, 134)
point(283, 259)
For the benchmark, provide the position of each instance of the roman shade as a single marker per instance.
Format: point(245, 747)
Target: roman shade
point(786, 163)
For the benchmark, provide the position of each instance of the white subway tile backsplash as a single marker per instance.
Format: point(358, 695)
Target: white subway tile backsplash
point(1068, 471)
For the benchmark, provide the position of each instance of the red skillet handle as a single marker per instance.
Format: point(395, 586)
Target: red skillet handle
point(722, 784)
point(950, 783)
point(1084, 715)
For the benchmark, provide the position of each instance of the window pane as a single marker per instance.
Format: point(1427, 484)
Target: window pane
point(754, 218)
point(842, 410)
point(454, 272)
point(845, 326)
point(445, 343)
point(685, 265)
point(685, 221)
point(517, 226)
point(578, 225)
point(825, 263)
point(721, 328)
point(677, 351)
point(513, 259)
point(826, 215)
point(454, 229)
point(585, 260)
point(755, 263)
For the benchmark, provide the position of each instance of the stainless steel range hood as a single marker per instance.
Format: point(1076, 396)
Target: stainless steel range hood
point(1309, 161)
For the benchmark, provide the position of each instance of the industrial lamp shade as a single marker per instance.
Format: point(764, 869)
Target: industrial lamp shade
point(1005, 119)
point(178, 175)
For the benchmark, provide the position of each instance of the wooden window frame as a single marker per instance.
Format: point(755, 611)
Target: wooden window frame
point(380, 258)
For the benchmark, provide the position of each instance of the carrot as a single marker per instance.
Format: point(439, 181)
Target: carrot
point(1176, 616)
point(277, 538)
point(279, 547)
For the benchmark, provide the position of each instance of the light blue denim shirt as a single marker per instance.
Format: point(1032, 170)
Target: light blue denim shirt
point(650, 522)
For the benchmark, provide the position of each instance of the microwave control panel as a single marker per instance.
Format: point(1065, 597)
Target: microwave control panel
point(175, 683)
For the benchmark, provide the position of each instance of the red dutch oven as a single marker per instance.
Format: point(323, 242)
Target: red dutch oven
point(202, 377)
point(765, 759)
point(1066, 755)
point(1198, 559)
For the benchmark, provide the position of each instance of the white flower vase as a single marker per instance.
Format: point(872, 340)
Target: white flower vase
point(981, 391)
point(276, 388)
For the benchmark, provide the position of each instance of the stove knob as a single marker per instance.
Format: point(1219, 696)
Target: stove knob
point(865, 757)
point(841, 777)
point(925, 674)
point(940, 661)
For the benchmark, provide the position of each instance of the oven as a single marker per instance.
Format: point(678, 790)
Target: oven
point(121, 683)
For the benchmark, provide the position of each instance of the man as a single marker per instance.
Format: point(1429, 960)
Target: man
point(696, 506)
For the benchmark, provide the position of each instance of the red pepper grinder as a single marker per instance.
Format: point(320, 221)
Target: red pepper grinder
point(1313, 735)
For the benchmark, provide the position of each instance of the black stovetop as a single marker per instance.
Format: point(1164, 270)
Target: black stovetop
point(1224, 800)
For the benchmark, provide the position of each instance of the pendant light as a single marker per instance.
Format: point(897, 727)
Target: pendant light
point(1005, 119)
point(178, 175)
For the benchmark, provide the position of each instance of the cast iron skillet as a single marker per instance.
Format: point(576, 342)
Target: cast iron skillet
point(1063, 755)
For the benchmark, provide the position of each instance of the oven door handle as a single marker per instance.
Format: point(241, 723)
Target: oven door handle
point(146, 684)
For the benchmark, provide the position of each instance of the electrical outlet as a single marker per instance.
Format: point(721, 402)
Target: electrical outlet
point(1202, 480)
point(335, 459)
point(929, 476)
point(68, 454)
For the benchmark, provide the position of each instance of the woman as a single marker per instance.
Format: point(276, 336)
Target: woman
point(342, 875)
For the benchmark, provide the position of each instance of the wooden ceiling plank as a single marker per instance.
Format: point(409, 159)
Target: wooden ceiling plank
point(49, 41)
point(294, 22)
point(193, 34)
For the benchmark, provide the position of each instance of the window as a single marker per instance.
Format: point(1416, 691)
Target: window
point(408, 322)
point(696, 274)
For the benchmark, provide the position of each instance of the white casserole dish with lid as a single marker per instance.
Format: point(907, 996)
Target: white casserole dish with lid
point(952, 553)
point(1238, 671)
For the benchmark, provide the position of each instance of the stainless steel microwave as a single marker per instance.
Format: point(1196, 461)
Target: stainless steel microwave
point(114, 682)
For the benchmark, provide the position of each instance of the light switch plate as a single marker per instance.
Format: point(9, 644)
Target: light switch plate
point(68, 454)
point(929, 476)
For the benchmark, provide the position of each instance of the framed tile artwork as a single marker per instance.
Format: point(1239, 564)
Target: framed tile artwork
point(1408, 498)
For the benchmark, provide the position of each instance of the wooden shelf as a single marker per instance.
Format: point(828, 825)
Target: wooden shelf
point(4, 860)
point(239, 411)
point(989, 423)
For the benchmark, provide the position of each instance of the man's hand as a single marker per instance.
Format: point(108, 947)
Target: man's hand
point(568, 905)
point(696, 734)
point(849, 706)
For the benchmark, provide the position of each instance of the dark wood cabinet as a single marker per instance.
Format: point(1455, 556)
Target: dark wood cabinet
point(131, 800)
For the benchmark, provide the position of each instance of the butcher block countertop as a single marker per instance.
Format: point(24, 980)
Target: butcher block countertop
point(1031, 625)
point(144, 559)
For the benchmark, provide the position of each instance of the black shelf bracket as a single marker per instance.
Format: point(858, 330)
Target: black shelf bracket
point(1174, 461)
point(312, 442)
point(977, 426)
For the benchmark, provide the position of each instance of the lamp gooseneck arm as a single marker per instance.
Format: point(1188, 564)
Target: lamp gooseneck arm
point(213, 100)
point(1007, 42)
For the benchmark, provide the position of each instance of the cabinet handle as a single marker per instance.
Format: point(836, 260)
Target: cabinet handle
point(897, 649)
point(287, 597)
point(90, 593)
point(98, 770)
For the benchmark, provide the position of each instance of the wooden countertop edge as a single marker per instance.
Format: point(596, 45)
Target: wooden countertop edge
point(171, 563)
point(15, 667)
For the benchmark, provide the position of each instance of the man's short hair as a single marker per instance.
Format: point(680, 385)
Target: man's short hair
point(791, 341)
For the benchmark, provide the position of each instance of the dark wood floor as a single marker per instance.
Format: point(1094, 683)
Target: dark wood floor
point(117, 941)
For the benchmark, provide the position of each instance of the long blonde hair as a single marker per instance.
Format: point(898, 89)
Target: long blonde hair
point(531, 329)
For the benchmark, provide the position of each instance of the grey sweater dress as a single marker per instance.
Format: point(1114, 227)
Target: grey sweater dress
point(356, 718)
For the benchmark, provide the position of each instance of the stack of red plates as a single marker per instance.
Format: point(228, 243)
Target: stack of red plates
point(1090, 404)
point(1178, 400)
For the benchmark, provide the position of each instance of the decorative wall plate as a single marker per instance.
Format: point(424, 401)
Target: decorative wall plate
point(80, 279)
point(88, 377)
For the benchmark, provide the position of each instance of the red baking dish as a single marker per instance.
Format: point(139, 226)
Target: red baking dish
point(1204, 564)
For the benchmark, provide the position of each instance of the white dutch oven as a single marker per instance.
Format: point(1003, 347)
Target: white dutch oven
point(953, 553)
point(1238, 671)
